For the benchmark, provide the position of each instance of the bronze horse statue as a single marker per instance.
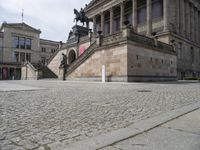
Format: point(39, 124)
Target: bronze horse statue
point(80, 16)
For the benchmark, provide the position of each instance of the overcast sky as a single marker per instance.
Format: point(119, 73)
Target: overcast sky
point(53, 17)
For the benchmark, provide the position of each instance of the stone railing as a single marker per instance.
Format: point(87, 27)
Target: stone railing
point(114, 38)
point(29, 72)
point(52, 56)
point(150, 42)
point(82, 58)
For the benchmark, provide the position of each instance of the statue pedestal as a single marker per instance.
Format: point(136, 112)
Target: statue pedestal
point(77, 33)
point(62, 71)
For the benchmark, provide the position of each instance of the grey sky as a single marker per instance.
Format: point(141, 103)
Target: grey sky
point(53, 17)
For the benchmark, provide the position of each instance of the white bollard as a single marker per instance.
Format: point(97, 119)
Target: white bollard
point(103, 73)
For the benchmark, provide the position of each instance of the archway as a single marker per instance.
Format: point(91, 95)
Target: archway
point(71, 57)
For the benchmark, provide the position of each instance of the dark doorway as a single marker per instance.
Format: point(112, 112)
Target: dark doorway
point(72, 56)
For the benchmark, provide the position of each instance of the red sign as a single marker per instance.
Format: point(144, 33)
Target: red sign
point(81, 50)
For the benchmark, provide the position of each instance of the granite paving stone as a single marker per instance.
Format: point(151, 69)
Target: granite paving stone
point(66, 112)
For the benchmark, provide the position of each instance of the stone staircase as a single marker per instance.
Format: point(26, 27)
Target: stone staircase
point(47, 73)
point(87, 53)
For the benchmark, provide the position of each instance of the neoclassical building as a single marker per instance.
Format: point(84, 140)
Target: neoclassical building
point(175, 21)
point(134, 40)
point(19, 43)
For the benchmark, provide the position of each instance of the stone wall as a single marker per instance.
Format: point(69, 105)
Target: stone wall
point(115, 60)
point(55, 62)
point(127, 62)
point(148, 64)
point(29, 73)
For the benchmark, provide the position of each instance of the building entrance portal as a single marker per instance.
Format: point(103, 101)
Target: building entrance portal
point(71, 57)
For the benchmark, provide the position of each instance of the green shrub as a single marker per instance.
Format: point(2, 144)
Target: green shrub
point(191, 78)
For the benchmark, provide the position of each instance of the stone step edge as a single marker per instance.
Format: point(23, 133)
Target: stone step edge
point(140, 127)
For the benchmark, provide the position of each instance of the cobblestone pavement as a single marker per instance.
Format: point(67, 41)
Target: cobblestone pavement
point(65, 112)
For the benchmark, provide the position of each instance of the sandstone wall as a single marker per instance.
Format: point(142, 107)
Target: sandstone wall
point(55, 62)
point(114, 58)
point(150, 64)
point(27, 73)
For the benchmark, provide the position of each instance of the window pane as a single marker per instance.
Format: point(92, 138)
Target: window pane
point(28, 43)
point(142, 15)
point(141, 5)
point(28, 57)
point(15, 42)
point(157, 9)
point(16, 56)
point(22, 43)
point(22, 57)
point(117, 25)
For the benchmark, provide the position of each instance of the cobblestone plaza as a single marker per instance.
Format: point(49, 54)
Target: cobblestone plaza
point(46, 114)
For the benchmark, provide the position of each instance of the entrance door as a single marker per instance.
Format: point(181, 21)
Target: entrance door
point(5, 73)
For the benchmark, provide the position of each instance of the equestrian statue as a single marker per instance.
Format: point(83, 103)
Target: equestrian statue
point(80, 16)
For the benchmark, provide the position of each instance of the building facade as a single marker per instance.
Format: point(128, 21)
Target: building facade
point(176, 21)
point(19, 43)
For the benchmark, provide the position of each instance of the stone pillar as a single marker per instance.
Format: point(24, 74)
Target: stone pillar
point(183, 14)
point(192, 23)
point(111, 20)
point(149, 17)
point(102, 22)
point(134, 15)
point(121, 14)
point(178, 16)
point(199, 27)
point(188, 19)
point(166, 15)
point(94, 25)
point(196, 25)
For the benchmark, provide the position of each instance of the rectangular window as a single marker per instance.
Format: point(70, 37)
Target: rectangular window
point(142, 11)
point(43, 60)
point(22, 43)
point(43, 49)
point(28, 44)
point(53, 50)
point(116, 26)
point(28, 57)
point(157, 9)
point(15, 42)
point(22, 57)
point(16, 57)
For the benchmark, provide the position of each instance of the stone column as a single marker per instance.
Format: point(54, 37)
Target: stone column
point(178, 16)
point(183, 14)
point(199, 26)
point(149, 17)
point(188, 19)
point(166, 15)
point(102, 22)
point(192, 23)
point(94, 25)
point(196, 25)
point(111, 20)
point(134, 15)
point(121, 14)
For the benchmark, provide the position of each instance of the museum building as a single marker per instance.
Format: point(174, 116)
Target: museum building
point(134, 40)
point(20, 43)
point(172, 20)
